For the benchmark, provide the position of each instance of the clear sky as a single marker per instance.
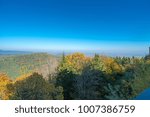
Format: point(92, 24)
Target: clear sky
point(112, 25)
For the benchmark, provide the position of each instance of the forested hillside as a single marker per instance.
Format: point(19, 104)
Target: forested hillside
point(73, 76)
point(17, 65)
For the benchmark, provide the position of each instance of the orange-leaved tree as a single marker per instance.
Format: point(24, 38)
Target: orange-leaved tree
point(4, 82)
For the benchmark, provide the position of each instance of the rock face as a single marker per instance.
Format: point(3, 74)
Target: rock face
point(48, 68)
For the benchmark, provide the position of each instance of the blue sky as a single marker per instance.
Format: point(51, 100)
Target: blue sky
point(106, 25)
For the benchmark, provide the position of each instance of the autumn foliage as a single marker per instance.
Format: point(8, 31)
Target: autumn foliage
point(74, 62)
point(4, 81)
point(75, 77)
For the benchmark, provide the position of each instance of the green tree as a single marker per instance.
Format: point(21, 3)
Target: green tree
point(70, 67)
point(90, 84)
point(35, 87)
point(141, 78)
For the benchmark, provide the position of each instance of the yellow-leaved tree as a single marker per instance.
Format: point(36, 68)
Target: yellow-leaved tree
point(111, 65)
point(71, 66)
point(4, 82)
point(74, 63)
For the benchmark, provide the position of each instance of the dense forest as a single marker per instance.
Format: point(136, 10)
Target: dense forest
point(72, 77)
point(16, 65)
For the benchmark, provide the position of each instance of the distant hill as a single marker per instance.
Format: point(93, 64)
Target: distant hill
point(11, 52)
point(17, 65)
